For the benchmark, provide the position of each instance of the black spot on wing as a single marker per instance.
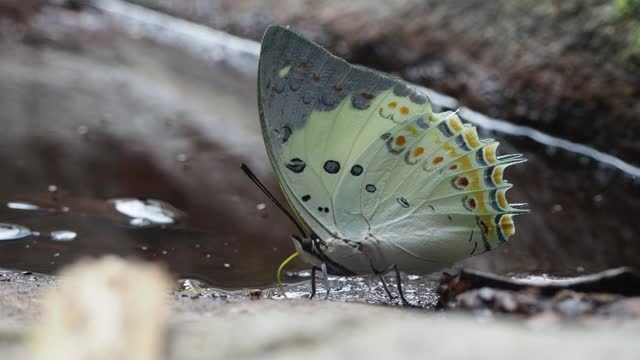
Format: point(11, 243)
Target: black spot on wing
point(422, 123)
point(488, 177)
point(296, 165)
point(331, 166)
point(480, 158)
point(444, 129)
point(403, 202)
point(286, 133)
point(370, 188)
point(493, 196)
point(356, 170)
point(462, 143)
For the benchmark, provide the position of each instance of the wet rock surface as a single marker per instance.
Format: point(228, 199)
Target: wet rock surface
point(247, 326)
point(613, 293)
point(569, 68)
point(419, 291)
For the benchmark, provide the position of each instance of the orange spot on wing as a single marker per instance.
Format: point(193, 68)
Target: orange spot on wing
point(465, 163)
point(463, 182)
point(453, 167)
point(400, 140)
point(489, 153)
point(392, 105)
point(497, 175)
point(502, 199)
point(451, 150)
point(507, 225)
point(302, 65)
point(432, 118)
point(438, 160)
point(411, 130)
point(418, 151)
point(455, 124)
point(404, 110)
point(480, 205)
point(367, 96)
point(472, 139)
point(471, 203)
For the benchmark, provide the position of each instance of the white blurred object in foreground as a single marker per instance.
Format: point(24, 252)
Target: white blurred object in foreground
point(108, 308)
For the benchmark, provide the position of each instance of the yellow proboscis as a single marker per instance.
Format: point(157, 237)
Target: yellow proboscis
point(284, 263)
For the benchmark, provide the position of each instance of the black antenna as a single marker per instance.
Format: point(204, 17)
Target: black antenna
point(264, 189)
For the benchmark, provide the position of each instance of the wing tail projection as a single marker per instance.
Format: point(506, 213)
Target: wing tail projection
point(439, 193)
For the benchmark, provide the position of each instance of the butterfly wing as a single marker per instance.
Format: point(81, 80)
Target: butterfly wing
point(318, 115)
point(432, 193)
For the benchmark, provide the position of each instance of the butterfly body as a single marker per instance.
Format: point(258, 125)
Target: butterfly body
point(378, 178)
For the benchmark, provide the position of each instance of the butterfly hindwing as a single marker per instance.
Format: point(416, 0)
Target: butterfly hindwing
point(433, 192)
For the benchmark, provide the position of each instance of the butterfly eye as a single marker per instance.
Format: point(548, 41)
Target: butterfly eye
point(306, 245)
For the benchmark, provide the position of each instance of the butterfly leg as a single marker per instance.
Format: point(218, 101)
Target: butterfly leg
point(313, 282)
point(323, 267)
point(399, 283)
point(325, 280)
point(386, 288)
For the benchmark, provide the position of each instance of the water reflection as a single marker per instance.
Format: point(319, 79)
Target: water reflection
point(13, 232)
point(148, 212)
point(22, 206)
point(63, 235)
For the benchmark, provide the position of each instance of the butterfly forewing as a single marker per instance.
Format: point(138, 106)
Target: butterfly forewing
point(319, 114)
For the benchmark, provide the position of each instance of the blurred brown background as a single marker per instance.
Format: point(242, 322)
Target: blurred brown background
point(106, 102)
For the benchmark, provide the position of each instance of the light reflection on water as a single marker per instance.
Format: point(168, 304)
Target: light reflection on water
point(147, 212)
point(13, 232)
point(63, 235)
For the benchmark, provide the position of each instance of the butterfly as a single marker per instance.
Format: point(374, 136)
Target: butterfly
point(376, 179)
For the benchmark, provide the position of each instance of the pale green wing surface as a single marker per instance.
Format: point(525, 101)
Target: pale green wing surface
point(318, 115)
point(431, 192)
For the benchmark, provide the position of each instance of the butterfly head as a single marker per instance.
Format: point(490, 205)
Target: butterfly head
point(307, 248)
point(315, 252)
